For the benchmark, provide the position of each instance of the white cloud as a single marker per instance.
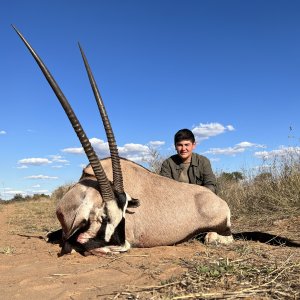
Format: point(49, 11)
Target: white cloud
point(55, 157)
point(22, 167)
point(62, 161)
point(73, 150)
point(282, 151)
point(36, 186)
point(247, 145)
point(13, 192)
point(132, 151)
point(41, 177)
point(2, 132)
point(100, 147)
point(156, 144)
point(205, 131)
point(215, 159)
point(238, 148)
point(230, 128)
point(58, 159)
point(135, 152)
point(133, 148)
point(225, 151)
point(34, 161)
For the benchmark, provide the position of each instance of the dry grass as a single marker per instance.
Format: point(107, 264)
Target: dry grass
point(213, 277)
point(60, 191)
point(273, 188)
point(7, 250)
point(240, 278)
point(34, 217)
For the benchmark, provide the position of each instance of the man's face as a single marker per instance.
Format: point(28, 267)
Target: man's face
point(185, 149)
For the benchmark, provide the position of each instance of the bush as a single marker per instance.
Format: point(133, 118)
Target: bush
point(58, 193)
point(272, 188)
point(154, 160)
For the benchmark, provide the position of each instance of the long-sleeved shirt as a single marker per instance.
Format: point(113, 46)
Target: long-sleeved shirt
point(199, 171)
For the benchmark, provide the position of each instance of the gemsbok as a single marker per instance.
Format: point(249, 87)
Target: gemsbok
point(118, 204)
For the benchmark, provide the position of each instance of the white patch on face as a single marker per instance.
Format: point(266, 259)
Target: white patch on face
point(128, 198)
point(110, 229)
point(115, 215)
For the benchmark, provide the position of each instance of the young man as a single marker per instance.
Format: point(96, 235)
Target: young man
point(186, 166)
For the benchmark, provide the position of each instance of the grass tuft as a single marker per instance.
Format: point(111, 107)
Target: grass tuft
point(7, 250)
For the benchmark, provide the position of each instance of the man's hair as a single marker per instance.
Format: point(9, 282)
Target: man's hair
point(184, 134)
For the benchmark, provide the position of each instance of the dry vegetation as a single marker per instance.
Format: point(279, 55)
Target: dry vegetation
point(269, 194)
point(34, 217)
point(222, 278)
point(246, 269)
point(273, 188)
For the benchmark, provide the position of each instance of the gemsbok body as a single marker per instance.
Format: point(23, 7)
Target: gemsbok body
point(118, 204)
point(170, 211)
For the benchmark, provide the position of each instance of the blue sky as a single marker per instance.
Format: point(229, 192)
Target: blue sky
point(228, 70)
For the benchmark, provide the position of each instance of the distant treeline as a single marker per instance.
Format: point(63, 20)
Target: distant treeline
point(20, 197)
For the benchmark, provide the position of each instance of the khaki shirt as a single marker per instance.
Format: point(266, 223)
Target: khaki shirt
point(199, 172)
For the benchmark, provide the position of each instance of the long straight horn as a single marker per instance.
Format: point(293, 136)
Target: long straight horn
point(104, 185)
point(116, 166)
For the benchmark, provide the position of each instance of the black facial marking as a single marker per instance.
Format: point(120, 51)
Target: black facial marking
point(118, 237)
point(54, 237)
point(121, 199)
point(133, 203)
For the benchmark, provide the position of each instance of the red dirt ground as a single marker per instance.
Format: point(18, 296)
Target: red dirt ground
point(31, 269)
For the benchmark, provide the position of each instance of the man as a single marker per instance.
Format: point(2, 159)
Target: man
point(186, 166)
